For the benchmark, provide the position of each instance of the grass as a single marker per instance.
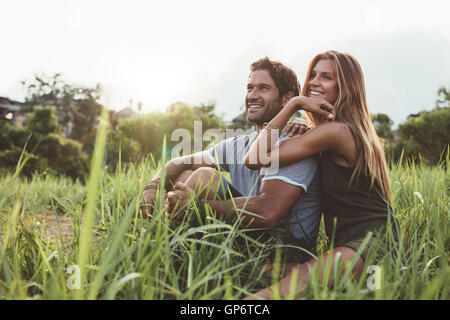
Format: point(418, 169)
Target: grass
point(115, 254)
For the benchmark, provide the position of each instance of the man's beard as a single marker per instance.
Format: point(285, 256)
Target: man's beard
point(265, 115)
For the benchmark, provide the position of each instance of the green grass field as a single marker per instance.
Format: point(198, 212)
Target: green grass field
point(115, 254)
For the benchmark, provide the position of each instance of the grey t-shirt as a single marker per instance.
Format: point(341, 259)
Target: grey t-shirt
point(301, 223)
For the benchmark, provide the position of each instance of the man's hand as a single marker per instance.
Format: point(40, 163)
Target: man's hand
point(179, 197)
point(149, 198)
point(297, 126)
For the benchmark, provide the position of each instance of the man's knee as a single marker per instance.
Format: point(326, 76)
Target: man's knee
point(205, 173)
point(184, 176)
point(203, 176)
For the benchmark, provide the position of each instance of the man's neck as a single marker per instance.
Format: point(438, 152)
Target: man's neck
point(259, 127)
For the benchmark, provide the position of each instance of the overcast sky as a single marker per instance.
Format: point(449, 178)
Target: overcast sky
point(200, 51)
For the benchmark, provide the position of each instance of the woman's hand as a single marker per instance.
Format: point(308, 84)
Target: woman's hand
point(297, 126)
point(317, 106)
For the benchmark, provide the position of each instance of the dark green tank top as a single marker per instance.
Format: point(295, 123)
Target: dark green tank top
point(357, 208)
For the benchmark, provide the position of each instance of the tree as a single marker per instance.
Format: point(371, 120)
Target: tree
point(184, 116)
point(46, 149)
point(31, 163)
point(76, 107)
point(117, 142)
point(11, 135)
point(143, 135)
point(47, 142)
point(145, 130)
point(443, 101)
point(383, 126)
point(427, 134)
point(43, 121)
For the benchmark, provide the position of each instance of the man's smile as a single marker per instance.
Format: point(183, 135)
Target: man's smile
point(254, 106)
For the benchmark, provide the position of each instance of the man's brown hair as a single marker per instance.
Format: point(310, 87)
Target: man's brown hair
point(284, 77)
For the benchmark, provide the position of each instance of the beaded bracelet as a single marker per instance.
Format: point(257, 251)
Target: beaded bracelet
point(151, 185)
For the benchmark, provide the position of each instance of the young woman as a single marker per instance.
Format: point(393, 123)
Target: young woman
point(354, 176)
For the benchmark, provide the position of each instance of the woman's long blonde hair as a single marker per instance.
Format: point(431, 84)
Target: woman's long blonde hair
point(351, 109)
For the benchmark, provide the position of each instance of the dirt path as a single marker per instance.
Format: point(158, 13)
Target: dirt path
point(49, 224)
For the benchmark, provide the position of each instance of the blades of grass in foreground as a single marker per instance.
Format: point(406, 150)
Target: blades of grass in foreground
point(164, 259)
point(20, 163)
point(107, 264)
point(92, 196)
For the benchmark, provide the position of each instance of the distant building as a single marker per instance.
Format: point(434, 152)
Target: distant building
point(239, 122)
point(115, 116)
point(414, 115)
point(12, 110)
point(126, 112)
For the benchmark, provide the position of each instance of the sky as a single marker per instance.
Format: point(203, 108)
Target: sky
point(162, 52)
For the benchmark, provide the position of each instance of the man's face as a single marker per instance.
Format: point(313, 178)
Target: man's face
point(261, 101)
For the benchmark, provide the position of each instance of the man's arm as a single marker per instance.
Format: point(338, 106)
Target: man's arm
point(274, 200)
point(177, 165)
point(173, 169)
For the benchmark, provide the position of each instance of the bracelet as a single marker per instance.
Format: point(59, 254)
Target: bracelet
point(151, 185)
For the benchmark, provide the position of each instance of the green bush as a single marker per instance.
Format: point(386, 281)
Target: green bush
point(9, 160)
point(49, 146)
point(129, 149)
point(425, 136)
point(11, 135)
point(76, 167)
point(47, 151)
point(142, 136)
point(43, 121)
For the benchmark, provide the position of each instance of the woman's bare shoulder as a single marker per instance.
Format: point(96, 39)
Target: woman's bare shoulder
point(338, 134)
point(335, 128)
point(344, 142)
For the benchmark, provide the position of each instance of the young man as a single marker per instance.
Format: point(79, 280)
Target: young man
point(288, 201)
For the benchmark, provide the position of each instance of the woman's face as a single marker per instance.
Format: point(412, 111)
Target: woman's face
point(322, 82)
